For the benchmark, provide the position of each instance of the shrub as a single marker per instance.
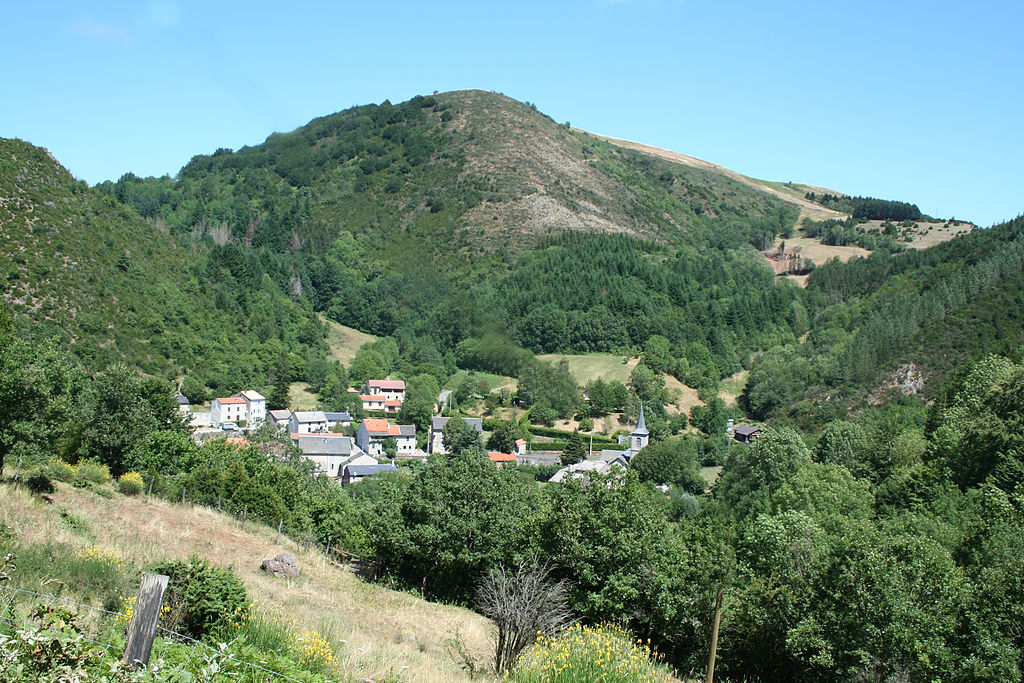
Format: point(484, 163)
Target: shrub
point(61, 471)
point(39, 482)
point(92, 472)
point(131, 483)
point(204, 599)
point(589, 653)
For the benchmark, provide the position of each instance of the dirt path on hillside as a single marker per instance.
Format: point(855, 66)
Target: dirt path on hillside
point(808, 209)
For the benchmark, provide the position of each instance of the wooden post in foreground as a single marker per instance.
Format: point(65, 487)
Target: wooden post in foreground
point(142, 629)
point(713, 647)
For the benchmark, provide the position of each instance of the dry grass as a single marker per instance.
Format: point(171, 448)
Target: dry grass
point(732, 387)
point(374, 622)
point(808, 209)
point(588, 367)
point(345, 341)
point(710, 474)
point(300, 397)
point(685, 397)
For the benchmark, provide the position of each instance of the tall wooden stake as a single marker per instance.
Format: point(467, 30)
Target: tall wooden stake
point(713, 647)
point(142, 629)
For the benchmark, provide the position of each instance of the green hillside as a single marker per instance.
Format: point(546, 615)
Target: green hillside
point(445, 218)
point(78, 264)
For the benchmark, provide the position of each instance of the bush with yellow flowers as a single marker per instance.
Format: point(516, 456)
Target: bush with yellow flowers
point(313, 650)
point(589, 653)
point(130, 483)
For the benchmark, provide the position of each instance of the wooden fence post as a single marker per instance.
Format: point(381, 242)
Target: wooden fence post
point(279, 525)
point(142, 629)
point(245, 513)
point(182, 495)
point(713, 645)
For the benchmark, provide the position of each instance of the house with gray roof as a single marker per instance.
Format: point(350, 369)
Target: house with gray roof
point(331, 452)
point(435, 443)
point(307, 422)
point(344, 419)
point(355, 473)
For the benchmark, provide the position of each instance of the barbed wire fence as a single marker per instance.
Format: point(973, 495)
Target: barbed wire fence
point(16, 602)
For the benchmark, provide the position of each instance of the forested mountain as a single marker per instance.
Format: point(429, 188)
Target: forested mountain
point(76, 263)
point(444, 218)
point(939, 309)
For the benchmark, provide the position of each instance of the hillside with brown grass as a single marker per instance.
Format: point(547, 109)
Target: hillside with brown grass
point(384, 634)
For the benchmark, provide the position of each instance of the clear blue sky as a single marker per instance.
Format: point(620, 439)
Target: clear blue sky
point(918, 101)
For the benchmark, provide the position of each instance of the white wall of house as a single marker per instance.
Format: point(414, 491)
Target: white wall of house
point(228, 412)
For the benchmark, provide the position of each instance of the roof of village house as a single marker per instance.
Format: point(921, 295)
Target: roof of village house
point(438, 423)
point(392, 403)
point(387, 384)
point(520, 442)
point(323, 444)
point(338, 417)
point(251, 395)
point(372, 397)
point(367, 470)
point(310, 416)
point(746, 430)
point(283, 414)
point(379, 427)
point(498, 456)
point(229, 400)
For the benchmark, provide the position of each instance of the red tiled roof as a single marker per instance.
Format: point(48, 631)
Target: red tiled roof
point(376, 424)
point(229, 399)
point(364, 397)
point(520, 442)
point(393, 404)
point(495, 456)
point(390, 384)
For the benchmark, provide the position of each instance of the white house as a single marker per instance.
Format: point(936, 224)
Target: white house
point(374, 432)
point(331, 452)
point(257, 406)
point(436, 443)
point(229, 409)
point(390, 389)
point(372, 401)
point(333, 419)
point(281, 418)
point(307, 422)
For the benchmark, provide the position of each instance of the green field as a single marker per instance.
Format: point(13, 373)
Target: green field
point(591, 366)
point(494, 381)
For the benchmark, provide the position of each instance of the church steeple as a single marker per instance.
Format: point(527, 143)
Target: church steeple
point(641, 426)
point(640, 436)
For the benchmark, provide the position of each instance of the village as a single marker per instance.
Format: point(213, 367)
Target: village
point(347, 450)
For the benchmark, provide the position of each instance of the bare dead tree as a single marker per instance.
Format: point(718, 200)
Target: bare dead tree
point(523, 602)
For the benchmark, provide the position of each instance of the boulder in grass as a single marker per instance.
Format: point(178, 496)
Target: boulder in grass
point(282, 565)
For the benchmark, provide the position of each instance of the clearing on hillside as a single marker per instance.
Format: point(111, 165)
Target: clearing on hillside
point(687, 396)
point(345, 341)
point(378, 633)
point(300, 397)
point(588, 367)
